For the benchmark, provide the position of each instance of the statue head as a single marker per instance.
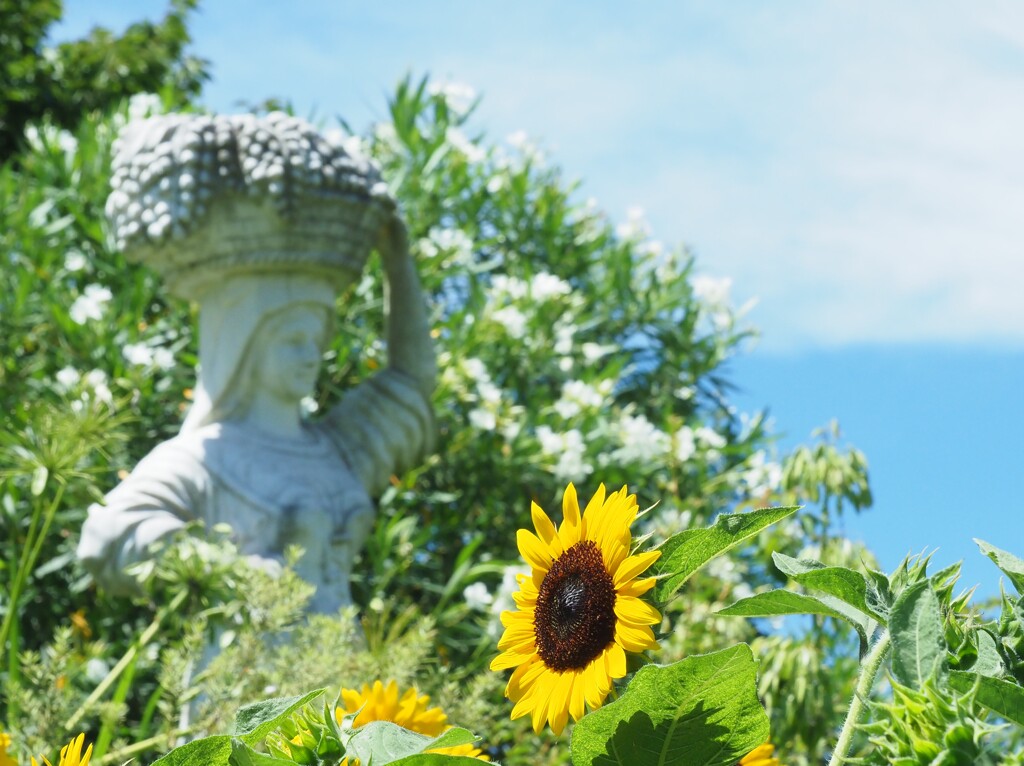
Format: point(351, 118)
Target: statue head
point(259, 330)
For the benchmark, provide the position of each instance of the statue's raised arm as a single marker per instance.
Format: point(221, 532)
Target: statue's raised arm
point(262, 222)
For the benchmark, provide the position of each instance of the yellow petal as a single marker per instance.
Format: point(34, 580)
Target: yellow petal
point(577, 698)
point(558, 707)
point(533, 550)
point(545, 529)
point(508, 659)
point(569, 532)
point(634, 638)
point(596, 683)
point(523, 678)
point(633, 566)
point(637, 587)
point(541, 699)
point(616, 660)
point(634, 611)
point(592, 516)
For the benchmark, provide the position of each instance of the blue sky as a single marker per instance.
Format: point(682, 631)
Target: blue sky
point(856, 168)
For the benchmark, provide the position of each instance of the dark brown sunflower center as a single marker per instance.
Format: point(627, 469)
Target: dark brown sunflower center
point(575, 616)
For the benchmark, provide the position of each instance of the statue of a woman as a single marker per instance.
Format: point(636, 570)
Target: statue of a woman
point(265, 267)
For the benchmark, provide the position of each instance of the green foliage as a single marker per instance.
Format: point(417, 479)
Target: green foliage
point(65, 83)
point(703, 709)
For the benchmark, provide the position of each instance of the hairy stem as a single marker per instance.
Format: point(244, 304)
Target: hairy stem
point(868, 672)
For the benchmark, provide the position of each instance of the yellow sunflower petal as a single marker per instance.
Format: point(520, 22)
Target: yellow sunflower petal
point(546, 530)
point(577, 698)
point(633, 566)
point(541, 698)
point(634, 611)
point(634, 638)
point(558, 707)
point(616, 660)
point(596, 684)
point(569, 532)
point(592, 516)
point(523, 678)
point(508, 659)
point(637, 587)
point(537, 554)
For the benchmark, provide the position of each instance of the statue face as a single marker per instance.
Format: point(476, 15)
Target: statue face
point(290, 349)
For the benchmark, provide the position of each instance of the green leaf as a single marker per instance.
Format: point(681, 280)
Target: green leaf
point(780, 602)
point(436, 759)
point(1003, 697)
point(208, 751)
point(254, 722)
point(915, 626)
point(243, 755)
point(383, 742)
point(842, 583)
point(685, 553)
point(990, 661)
point(1011, 566)
point(700, 710)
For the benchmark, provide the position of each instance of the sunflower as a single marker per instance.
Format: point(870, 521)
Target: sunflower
point(760, 756)
point(5, 742)
point(579, 611)
point(410, 710)
point(71, 754)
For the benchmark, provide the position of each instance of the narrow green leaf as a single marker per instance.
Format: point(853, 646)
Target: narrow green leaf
point(915, 626)
point(781, 602)
point(254, 722)
point(842, 583)
point(1011, 566)
point(39, 479)
point(208, 751)
point(1005, 698)
point(700, 710)
point(685, 553)
point(243, 755)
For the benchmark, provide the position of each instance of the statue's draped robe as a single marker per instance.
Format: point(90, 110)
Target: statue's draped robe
point(315, 491)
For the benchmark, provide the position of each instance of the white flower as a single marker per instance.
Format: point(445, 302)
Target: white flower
point(67, 378)
point(685, 445)
point(512, 287)
point(75, 261)
point(488, 392)
point(762, 476)
point(502, 601)
point(97, 381)
point(563, 338)
point(592, 352)
point(569, 448)
point(475, 369)
point(454, 242)
point(308, 405)
point(138, 354)
point(709, 437)
point(477, 596)
point(163, 358)
point(457, 95)
point(641, 441)
point(495, 183)
point(461, 142)
point(635, 226)
point(712, 291)
point(96, 670)
point(483, 419)
point(578, 396)
point(518, 140)
point(512, 319)
point(90, 304)
point(545, 286)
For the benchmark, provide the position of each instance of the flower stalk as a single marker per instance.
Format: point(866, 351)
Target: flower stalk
point(865, 682)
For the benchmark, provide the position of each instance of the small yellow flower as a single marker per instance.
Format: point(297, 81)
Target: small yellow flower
point(71, 754)
point(5, 742)
point(579, 611)
point(760, 756)
point(410, 710)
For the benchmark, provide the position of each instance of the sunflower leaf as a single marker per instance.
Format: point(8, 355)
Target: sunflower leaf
point(383, 742)
point(775, 603)
point(685, 553)
point(1010, 565)
point(918, 645)
point(842, 583)
point(254, 722)
point(1003, 697)
point(702, 709)
point(243, 755)
point(208, 751)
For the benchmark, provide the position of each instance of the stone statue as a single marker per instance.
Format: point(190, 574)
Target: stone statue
point(262, 221)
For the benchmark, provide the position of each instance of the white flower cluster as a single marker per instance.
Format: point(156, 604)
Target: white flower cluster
point(167, 168)
point(91, 304)
point(507, 290)
point(144, 355)
point(579, 396)
point(569, 450)
point(452, 242)
point(94, 385)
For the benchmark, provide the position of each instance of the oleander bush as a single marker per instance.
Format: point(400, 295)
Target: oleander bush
point(570, 349)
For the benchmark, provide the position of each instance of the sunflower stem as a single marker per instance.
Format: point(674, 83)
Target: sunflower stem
point(865, 682)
